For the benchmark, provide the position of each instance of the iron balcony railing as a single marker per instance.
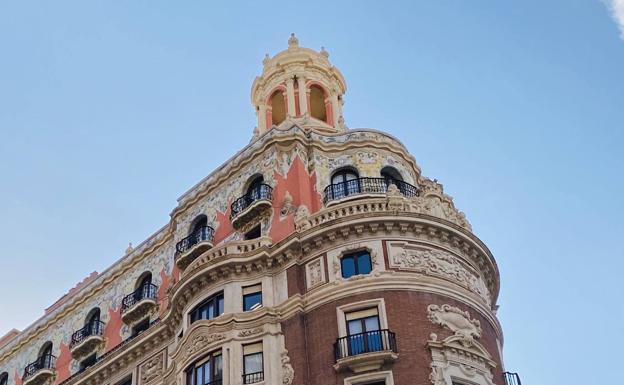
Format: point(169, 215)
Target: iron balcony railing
point(47, 361)
point(252, 378)
point(367, 342)
point(511, 378)
point(94, 328)
point(148, 291)
point(258, 193)
point(366, 186)
point(204, 233)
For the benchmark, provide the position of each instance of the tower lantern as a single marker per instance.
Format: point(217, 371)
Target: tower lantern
point(299, 84)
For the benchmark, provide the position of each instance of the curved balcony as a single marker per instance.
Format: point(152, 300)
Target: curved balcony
point(41, 371)
point(251, 205)
point(511, 378)
point(194, 245)
point(87, 340)
point(365, 351)
point(139, 304)
point(365, 186)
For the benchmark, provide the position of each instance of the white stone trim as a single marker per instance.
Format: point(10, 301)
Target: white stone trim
point(379, 303)
point(369, 377)
point(315, 272)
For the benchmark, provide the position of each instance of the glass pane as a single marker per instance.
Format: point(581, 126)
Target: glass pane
point(354, 326)
point(207, 373)
point(220, 310)
point(251, 300)
point(253, 363)
point(218, 367)
point(364, 264)
point(371, 323)
point(199, 375)
point(348, 267)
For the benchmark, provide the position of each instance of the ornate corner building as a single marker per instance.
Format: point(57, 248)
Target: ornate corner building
point(317, 255)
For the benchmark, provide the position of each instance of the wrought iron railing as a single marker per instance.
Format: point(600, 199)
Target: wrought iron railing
point(366, 186)
point(252, 378)
point(367, 342)
point(204, 233)
point(258, 193)
point(148, 291)
point(511, 378)
point(94, 328)
point(47, 361)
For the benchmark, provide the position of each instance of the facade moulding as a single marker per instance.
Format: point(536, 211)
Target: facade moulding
point(288, 137)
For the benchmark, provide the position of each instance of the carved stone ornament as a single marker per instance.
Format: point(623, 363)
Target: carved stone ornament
point(199, 343)
point(315, 273)
point(288, 373)
point(433, 201)
point(152, 369)
point(457, 320)
point(439, 263)
point(287, 205)
point(250, 332)
point(302, 222)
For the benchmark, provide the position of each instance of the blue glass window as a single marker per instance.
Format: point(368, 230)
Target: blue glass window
point(356, 263)
point(211, 308)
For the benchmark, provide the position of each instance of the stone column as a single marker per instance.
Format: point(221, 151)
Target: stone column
point(262, 118)
point(303, 102)
point(336, 109)
point(290, 96)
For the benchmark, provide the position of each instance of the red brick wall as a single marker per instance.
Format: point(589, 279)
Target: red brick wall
point(311, 337)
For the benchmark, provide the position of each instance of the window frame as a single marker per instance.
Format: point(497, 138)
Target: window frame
point(342, 311)
point(214, 297)
point(370, 378)
point(355, 256)
point(191, 371)
point(245, 355)
point(252, 293)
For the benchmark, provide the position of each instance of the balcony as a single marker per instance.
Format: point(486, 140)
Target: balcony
point(41, 371)
point(364, 187)
point(250, 205)
point(139, 304)
point(252, 378)
point(194, 245)
point(511, 378)
point(87, 340)
point(365, 351)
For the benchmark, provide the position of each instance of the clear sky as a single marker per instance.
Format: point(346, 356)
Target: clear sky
point(111, 110)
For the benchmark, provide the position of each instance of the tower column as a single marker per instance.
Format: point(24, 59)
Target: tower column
point(262, 118)
point(336, 108)
point(290, 96)
point(303, 103)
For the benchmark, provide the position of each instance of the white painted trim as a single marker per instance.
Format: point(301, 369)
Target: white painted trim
point(369, 377)
point(379, 303)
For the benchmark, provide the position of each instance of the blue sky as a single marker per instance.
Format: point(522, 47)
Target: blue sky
point(111, 110)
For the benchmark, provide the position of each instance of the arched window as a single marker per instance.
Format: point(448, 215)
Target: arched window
point(209, 309)
point(278, 107)
point(145, 280)
point(198, 223)
point(317, 103)
point(4, 378)
point(254, 189)
point(356, 264)
point(391, 175)
point(93, 322)
point(46, 360)
point(344, 182)
point(206, 371)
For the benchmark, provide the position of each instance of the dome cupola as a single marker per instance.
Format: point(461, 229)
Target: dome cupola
point(300, 85)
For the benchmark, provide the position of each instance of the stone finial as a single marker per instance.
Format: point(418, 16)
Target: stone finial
point(324, 52)
point(130, 248)
point(266, 59)
point(293, 42)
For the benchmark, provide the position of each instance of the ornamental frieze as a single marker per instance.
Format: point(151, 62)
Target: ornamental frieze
point(437, 263)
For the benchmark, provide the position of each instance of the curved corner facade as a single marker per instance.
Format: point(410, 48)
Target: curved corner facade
point(316, 255)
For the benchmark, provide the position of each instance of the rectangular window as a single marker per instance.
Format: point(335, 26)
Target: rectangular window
point(209, 309)
point(355, 264)
point(208, 371)
point(140, 327)
point(127, 381)
point(89, 361)
point(363, 334)
point(254, 233)
point(253, 363)
point(252, 297)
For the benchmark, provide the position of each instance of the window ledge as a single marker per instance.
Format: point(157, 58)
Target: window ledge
point(366, 361)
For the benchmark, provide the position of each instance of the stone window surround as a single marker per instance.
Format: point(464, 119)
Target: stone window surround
point(341, 311)
point(366, 378)
point(373, 246)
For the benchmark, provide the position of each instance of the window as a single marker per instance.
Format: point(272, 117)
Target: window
point(363, 334)
point(127, 381)
point(208, 371)
point(89, 361)
point(254, 233)
point(253, 363)
point(198, 223)
point(140, 327)
point(209, 309)
point(355, 264)
point(46, 359)
point(252, 297)
point(344, 182)
point(4, 378)
point(93, 323)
